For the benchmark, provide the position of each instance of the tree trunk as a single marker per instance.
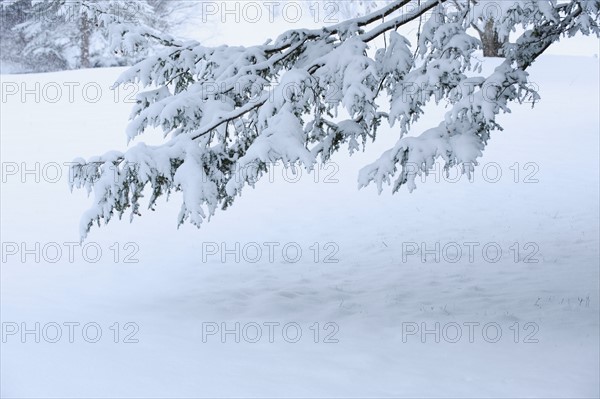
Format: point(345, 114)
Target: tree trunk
point(85, 42)
point(492, 45)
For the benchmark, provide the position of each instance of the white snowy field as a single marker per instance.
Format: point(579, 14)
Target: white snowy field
point(527, 317)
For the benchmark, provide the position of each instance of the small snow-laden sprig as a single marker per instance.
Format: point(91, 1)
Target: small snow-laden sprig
point(461, 138)
point(118, 180)
point(446, 51)
point(229, 113)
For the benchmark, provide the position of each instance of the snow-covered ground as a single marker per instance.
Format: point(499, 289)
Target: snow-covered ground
point(535, 198)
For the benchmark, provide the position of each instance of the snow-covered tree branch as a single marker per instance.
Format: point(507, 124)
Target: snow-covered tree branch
point(229, 113)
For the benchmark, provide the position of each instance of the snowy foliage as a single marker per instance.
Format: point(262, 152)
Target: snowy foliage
point(12, 42)
point(229, 113)
point(47, 35)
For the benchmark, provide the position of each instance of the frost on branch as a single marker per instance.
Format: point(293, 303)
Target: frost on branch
point(229, 113)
